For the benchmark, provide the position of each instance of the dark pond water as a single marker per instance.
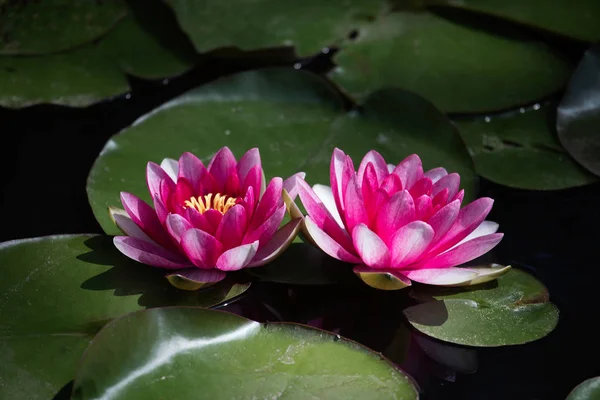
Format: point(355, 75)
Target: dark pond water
point(48, 151)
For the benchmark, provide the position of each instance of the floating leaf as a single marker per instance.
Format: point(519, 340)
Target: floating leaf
point(295, 119)
point(458, 68)
point(148, 42)
point(308, 26)
point(57, 292)
point(514, 309)
point(78, 78)
point(50, 26)
point(578, 119)
point(586, 390)
point(521, 150)
point(180, 352)
point(577, 19)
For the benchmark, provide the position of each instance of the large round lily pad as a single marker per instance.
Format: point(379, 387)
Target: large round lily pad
point(57, 292)
point(521, 150)
point(292, 116)
point(50, 26)
point(578, 120)
point(197, 353)
point(309, 26)
point(514, 309)
point(77, 78)
point(458, 68)
point(574, 18)
point(586, 390)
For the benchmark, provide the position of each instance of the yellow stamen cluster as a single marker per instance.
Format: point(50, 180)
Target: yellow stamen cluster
point(219, 202)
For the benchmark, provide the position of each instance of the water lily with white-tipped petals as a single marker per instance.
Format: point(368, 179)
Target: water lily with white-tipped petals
point(397, 223)
point(209, 220)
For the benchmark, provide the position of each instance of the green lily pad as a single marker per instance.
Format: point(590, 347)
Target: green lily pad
point(57, 292)
point(578, 119)
point(574, 18)
point(180, 352)
point(295, 119)
point(77, 78)
point(308, 25)
point(50, 26)
point(148, 42)
point(521, 150)
point(460, 69)
point(514, 309)
point(586, 390)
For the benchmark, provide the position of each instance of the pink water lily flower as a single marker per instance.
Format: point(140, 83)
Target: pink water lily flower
point(207, 220)
point(398, 224)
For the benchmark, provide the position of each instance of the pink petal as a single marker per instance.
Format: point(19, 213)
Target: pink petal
point(443, 219)
point(371, 249)
point(198, 221)
point(440, 199)
point(270, 201)
point(485, 228)
point(232, 186)
point(145, 217)
point(441, 276)
point(221, 166)
point(409, 242)
point(177, 226)
point(265, 232)
point(395, 213)
point(369, 186)
point(232, 228)
point(201, 248)
point(161, 209)
point(459, 196)
point(170, 167)
point(410, 170)
point(290, 186)
point(379, 166)
point(355, 212)
point(327, 243)
point(183, 191)
point(436, 174)
point(461, 254)
point(199, 275)
point(450, 182)
point(391, 184)
point(248, 202)
point(423, 208)
point(213, 218)
point(468, 219)
point(126, 225)
point(192, 169)
point(341, 170)
point(253, 180)
point(325, 194)
point(322, 217)
point(248, 161)
point(237, 257)
point(422, 187)
point(278, 243)
point(148, 253)
point(154, 176)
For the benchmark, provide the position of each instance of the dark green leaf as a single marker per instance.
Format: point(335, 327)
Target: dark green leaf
point(57, 292)
point(295, 119)
point(575, 18)
point(190, 353)
point(50, 26)
point(578, 120)
point(458, 68)
point(309, 25)
point(513, 309)
point(586, 390)
point(521, 150)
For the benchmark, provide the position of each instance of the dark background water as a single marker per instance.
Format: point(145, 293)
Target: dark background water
point(49, 150)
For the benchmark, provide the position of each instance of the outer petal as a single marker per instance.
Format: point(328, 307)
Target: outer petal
point(126, 224)
point(278, 243)
point(177, 226)
point(340, 172)
point(355, 212)
point(383, 279)
point(265, 232)
point(327, 243)
point(232, 228)
point(371, 249)
point(270, 201)
point(290, 184)
point(221, 166)
point(379, 165)
point(410, 170)
point(195, 278)
point(485, 228)
point(170, 167)
point(325, 194)
point(398, 211)
point(248, 161)
point(409, 242)
point(154, 176)
point(192, 169)
point(201, 248)
point(461, 254)
point(145, 217)
point(237, 257)
point(161, 209)
point(441, 276)
point(436, 174)
point(148, 253)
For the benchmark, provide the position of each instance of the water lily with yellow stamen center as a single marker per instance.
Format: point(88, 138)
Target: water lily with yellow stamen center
point(207, 220)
